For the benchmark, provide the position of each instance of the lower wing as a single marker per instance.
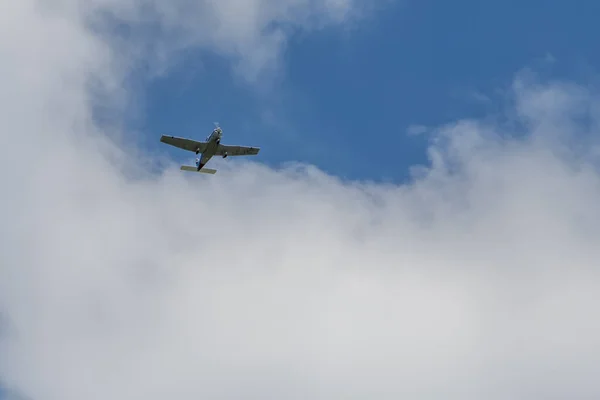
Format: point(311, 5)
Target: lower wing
point(236, 150)
point(185, 144)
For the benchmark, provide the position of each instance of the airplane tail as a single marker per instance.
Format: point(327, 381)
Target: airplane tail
point(193, 169)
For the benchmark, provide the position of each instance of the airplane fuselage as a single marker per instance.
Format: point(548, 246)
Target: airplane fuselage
point(212, 145)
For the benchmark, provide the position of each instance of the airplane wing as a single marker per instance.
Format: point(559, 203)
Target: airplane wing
point(194, 169)
point(185, 144)
point(237, 150)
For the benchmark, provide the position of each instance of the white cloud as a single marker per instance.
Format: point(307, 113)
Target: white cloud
point(480, 280)
point(252, 32)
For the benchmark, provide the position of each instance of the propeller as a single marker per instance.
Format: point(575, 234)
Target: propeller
point(217, 127)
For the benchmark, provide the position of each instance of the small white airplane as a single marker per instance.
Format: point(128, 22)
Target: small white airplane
point(211, 147)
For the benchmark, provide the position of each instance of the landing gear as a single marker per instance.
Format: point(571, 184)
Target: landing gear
point(225, 155)
point(197, 162)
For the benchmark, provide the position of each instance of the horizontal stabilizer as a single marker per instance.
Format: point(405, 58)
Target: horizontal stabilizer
point(193, 169)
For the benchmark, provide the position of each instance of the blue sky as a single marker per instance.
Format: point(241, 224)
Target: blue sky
point(347, 97)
